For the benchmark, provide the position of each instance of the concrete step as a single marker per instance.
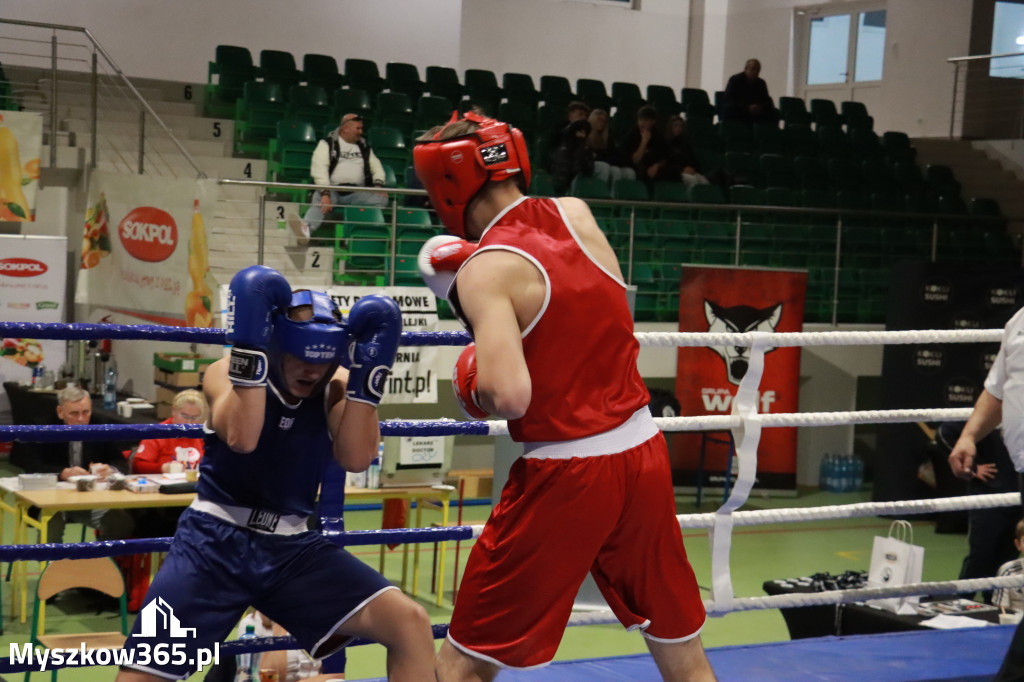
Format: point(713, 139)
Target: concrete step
point(182, 127)
point(214, 167)
point(81, 84)
point(67, 157)
point(158, 144)
point(123, 101)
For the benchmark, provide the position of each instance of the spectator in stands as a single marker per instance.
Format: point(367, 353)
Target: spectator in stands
point(647, 149)
point(1012, 598)
point(576, 111)
point(573, 156)
point(746, 97)
point(680, 153)
point(343, 158)
point(608, 159)
point(167, 455)
point(78, 458)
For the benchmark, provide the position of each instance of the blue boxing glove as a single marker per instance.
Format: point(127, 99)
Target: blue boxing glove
point(375, 326)
point(254, 296)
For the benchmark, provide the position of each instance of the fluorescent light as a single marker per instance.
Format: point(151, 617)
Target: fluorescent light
point(1020, 40)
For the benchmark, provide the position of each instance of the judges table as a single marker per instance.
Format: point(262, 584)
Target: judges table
point(859, 618)
point(437, 498)
point(66, 498)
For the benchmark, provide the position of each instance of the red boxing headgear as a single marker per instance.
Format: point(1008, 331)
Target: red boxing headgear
point(453, 171)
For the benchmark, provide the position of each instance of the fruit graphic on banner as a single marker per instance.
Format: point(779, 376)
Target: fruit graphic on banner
point(25, 352)
point(96, 238)
point(198, 301)
point(13, 204)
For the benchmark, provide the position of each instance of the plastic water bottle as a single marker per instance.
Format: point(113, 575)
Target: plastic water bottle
point(843, 474)
point(823, 472)
point(858, 472)
point(373, 473)
point(248, 664)
point(110, 389)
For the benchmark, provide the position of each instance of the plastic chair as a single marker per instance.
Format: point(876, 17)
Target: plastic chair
point(800, 140)
point(279, 67)
point(308, 103)
point(292, 149)
point(519, 115)
point(432, 110)
point(233, 67)
point(363, 74)
point(695, 102)
point(256, 115)
point(832, 141)
point(626, 94)
point(940, 180)
point(402, 77)
point(482, 84)
point(100, 574)
point(443, 81)
point(520, 87)
point(793, 110)
point(593, 93)
point(352, 101)
point(322, 70)
point(589, 188)
point(394, 110)
point(663, 98)
point(389, 145)
point(897, 148)
point(556, 90)
point(824, 113)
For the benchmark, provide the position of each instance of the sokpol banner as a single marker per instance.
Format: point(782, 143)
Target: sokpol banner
point(33, 279)
point(21, 139)
point(144, 248)
point(414, 375)
point(727, 300)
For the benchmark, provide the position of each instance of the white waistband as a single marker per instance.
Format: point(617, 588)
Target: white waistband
point(636, 430)
point(259, 520)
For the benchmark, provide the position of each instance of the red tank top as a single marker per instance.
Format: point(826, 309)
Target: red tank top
point(580, 349)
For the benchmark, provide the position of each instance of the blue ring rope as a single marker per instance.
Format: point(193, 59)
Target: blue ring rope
point(79, 331)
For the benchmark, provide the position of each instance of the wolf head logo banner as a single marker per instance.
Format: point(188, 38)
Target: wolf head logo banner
point(739, 319)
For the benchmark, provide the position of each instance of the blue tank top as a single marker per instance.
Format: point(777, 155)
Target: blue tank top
point(283, 473)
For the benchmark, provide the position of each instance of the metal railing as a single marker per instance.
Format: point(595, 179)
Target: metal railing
point(828, 242)
point(988, 96)
point(32, 51)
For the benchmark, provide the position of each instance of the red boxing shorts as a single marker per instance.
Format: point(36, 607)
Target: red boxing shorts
point(612, 515)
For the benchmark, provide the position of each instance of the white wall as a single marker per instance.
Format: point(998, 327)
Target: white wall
point(578, 40)
point(176, 40)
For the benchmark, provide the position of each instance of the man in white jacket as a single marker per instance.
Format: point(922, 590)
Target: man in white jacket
point(345, 159)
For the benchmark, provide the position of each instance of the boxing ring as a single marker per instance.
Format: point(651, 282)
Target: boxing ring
point(958, 654)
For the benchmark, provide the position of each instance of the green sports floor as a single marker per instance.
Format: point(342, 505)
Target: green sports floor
point(759, 553)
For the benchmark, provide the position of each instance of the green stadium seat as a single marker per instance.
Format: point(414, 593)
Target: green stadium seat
point(800, 140)
point(541, 185)
point(737, 135)
point(292, 148)
point(556, 91)
point(389, 145)
point(768, 139)
point(589, 187)
point(627, 95)
point(261, 106)
point(908, 177)
point(322, 70)
point(897, 147)
point(876, 175)
point(520, 87)
point(592, 92)
point(663, 98)
point(777, 170)
point(443, 81)
point(865, 144)
point(403, 77)
point(843, 174)
point(279, 67)
point(394, 110)
point(432, 110)
point(695, 102)
point(832, 141)
point(519, 115)
point(309, 103)
point(352, 101)
point(363, 75)
point(824, 113)
point(233, 68)
point(940, 180)
point(852, 110)
point(794, 111)
point(482, 84)
point(743, 167)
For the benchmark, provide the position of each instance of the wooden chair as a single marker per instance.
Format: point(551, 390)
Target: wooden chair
point(100, 574)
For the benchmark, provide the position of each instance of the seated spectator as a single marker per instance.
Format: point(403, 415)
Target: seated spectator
point(167, 455)
point(609, 162)
point(576, 111)
point(78, 458)
point(647, 149)
point(343, 158)
point(572, 157)
point(1012, 598)
point(680, 153)
point(746, 97)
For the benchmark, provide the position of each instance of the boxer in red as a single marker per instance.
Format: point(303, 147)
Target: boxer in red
point(540, 290)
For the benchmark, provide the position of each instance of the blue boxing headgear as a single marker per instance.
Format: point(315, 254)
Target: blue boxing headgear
point(322, 339)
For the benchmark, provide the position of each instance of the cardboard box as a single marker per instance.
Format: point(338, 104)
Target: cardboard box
point(181, 362)
point(163, 411)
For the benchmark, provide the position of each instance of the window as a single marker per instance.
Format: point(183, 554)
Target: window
point(1007, 38)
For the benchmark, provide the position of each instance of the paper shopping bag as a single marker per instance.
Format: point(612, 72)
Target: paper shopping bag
point(896, 560)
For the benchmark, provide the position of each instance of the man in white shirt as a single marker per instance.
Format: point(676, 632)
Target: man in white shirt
point(342, 158)
point(1002, 401)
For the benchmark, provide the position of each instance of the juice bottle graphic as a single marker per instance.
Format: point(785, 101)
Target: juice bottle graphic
point(198, 301)
point(13, 204)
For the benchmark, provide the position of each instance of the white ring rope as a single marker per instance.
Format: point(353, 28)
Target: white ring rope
point(758, 517)
point(852, 338)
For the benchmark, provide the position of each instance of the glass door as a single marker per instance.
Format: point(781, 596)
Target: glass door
point(842, 53)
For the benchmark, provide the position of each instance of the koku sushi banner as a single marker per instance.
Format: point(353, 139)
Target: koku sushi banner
point(737, 300)
point(144, 248)
point(21, 139)
point(33, 279)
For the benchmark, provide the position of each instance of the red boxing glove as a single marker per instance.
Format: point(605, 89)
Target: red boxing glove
point(464, 384)
point(440, 258)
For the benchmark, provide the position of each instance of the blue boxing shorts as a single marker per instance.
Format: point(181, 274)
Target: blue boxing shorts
point(215, 570)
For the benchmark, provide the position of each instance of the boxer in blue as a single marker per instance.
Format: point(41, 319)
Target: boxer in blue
point(301, 386)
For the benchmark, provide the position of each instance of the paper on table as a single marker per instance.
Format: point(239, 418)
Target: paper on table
point(947, 622)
